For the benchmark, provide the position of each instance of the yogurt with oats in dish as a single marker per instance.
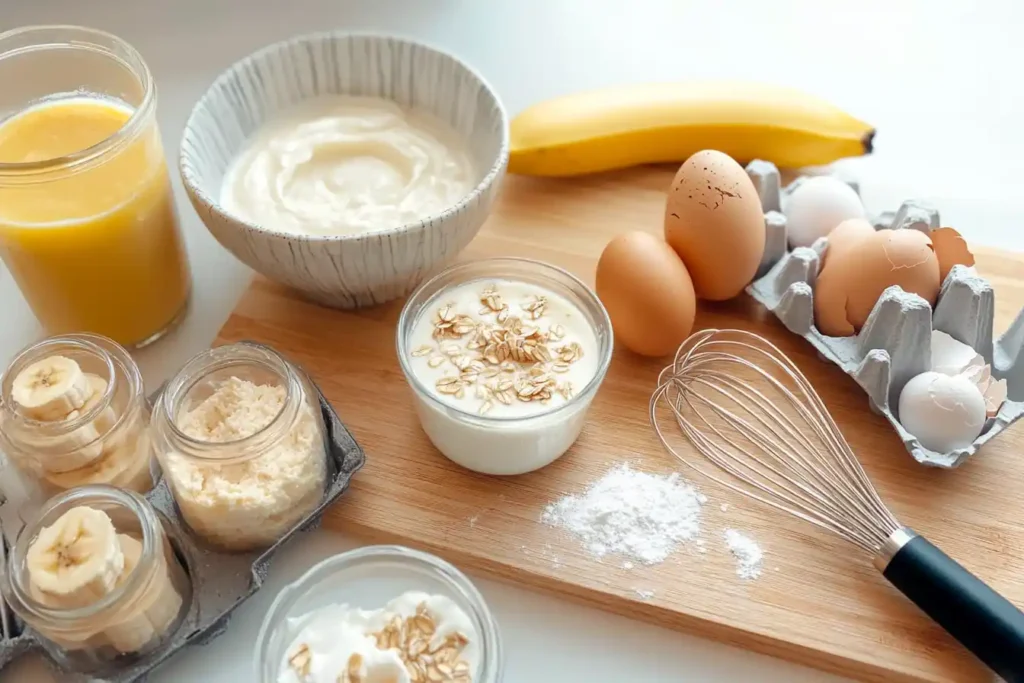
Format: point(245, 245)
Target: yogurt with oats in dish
point(415, 638)
point(498, 365)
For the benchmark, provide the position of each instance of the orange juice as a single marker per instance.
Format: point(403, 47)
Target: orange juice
point(87, 220)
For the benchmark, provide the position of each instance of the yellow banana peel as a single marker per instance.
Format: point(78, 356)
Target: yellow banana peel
point(614, 128)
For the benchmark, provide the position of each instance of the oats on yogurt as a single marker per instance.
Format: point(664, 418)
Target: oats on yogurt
point(504, 348)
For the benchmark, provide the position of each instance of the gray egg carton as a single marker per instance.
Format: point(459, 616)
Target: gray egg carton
point(895, 343)
point(220, 581)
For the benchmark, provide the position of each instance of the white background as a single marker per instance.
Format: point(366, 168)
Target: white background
point(940, 79)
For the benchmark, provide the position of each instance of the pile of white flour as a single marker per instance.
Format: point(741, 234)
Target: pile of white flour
point(638, 515)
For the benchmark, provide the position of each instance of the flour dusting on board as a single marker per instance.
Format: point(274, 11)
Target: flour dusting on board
point(747, 553)
point(638, 515)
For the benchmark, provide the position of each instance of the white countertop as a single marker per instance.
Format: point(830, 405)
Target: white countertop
point(938, 79)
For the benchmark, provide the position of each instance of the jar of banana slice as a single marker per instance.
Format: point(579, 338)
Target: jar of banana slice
point(95, 575)
point(73, 412)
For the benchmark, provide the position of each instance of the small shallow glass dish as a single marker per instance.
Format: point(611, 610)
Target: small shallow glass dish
point(368, 578)
point(504, 445)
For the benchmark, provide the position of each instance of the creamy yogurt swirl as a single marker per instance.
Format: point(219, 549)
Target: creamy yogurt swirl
point(329, 637)
point(345, 166)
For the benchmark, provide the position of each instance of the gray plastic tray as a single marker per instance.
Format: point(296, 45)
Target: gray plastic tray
point(220, 581)
point(895, 343)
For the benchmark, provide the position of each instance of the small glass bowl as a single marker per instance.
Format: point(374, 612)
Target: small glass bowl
point(504, 445)
point(368, 578)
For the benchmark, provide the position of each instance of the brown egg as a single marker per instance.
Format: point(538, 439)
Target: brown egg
point(854, 279)
point(648, 293)
point(830, 292)
point(714, 221)
point(951, 249)
point(845, 235)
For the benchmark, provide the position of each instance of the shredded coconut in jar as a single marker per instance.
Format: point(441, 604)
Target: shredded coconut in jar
point(254, 502)
point(236, 410)
point(635, 514)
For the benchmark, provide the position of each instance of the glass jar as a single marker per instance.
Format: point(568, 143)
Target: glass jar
point(105, 441)
point(143, 608)
point(368, 578)
point(490, 443)
point(242, 443)
point(81, 156)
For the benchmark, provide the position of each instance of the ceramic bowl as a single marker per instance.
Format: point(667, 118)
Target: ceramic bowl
point(344, 271)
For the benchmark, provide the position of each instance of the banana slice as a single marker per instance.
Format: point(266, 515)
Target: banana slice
point(153, 614)
point(76, 449)
point(50, 388)
point(61, 452)
point(107, 417)
point(69, 451)
point(85, 637)
point(77, 559)
point(125, 465)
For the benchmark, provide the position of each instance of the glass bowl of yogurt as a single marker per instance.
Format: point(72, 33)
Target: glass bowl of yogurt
point(379, 613)
point(504, 357)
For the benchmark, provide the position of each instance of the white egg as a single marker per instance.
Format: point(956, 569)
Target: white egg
point(817, 205)
point(952, 357)
point(944, 413)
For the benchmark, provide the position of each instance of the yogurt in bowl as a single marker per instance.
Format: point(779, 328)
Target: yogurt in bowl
point(346, 166)
point(380, 613)
point(504, 357)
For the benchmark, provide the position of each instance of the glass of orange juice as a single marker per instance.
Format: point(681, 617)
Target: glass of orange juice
point(88, 226)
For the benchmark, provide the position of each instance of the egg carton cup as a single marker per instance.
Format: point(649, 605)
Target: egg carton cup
point(220, 581)
point(895, 343)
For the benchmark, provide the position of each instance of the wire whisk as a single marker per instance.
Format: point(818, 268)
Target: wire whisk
point(748, 410)
point(775, 436)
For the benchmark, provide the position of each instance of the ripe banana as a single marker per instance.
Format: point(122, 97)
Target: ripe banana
point(615, 128)
point(155, 611)
point(76, 560)
point(49, 389)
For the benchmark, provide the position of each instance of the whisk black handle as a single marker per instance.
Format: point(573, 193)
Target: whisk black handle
point(983, 621)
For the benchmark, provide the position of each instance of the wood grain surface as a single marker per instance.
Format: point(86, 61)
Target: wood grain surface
point(819, 602)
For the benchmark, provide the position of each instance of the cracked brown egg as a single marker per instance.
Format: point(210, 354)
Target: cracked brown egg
point(845, 235)
point(951, 249)
point(714, 221)
point(854, 278)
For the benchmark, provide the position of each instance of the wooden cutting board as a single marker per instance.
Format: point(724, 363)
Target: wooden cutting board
point(819, 601)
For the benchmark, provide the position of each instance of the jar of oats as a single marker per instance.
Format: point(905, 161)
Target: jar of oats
point(73, 412)
point(242, 443)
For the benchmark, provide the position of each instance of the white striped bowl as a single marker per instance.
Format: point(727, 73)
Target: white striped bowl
point(345, 271)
